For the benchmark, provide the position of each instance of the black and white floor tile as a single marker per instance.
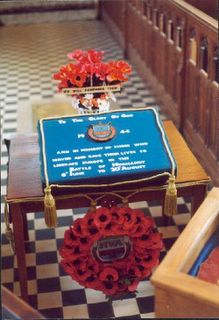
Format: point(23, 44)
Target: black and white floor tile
point(29, 55)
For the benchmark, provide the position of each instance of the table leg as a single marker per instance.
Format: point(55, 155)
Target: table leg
point(18, 228)
point(198, 196)
point(25, 225)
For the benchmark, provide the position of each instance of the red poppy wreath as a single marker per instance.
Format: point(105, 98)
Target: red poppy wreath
point(111, 249)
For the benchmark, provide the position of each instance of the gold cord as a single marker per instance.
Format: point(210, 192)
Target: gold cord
point(132, 193)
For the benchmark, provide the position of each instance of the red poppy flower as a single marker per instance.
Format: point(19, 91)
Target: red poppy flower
point(151, 241)
point(67, 266)
point(150, 259)
point(100, 70)
point(120, 264)
point(148, 222)
point(132, 270)
point(70, 239)
point(95, 56)
point(124, 67)
point(122, 286)
point(139, 214)
point(109, 229)
point(92, 230)
point(128, 217)
point(118, 230)
point(117, 70)
point(89, 220)
point(87, 58)
point(145, 272)
point(75, 54)
point(80, 263)
point(80, 227)
point(109, 274)
point(63, 84)
point(102, 217)
point(62, 74)
point(93, 265)
point(77, 75)
point(93, 282)
point(138, 230)
point(109, 287)
point(71, 74)
point(114, 214)
point(85, 243)
point(82, 274)
point(66, 253)
point(71, 253)
point(133, 286)
point(77, 79)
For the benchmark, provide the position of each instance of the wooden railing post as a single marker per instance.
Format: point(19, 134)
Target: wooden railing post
point(126, 30)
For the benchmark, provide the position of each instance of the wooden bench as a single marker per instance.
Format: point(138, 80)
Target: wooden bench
point(178, 294)
point(25, 193)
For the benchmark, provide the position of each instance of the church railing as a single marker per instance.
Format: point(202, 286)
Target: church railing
point(174, 47)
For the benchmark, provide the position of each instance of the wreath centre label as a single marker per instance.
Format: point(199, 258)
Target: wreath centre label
point(111, 248)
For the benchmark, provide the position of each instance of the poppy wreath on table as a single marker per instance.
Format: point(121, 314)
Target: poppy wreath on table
point(88, 257)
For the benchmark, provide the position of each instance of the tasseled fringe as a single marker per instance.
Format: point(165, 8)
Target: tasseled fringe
point(50, 209)
point(170, 202)
point(93, 206)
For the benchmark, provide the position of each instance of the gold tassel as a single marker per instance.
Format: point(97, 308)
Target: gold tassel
point(125, 202)
point(170, 202)
point(8, 231)
point(93, 205)
point(50, 209)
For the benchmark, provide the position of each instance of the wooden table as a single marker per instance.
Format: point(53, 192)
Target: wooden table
point(25, 193)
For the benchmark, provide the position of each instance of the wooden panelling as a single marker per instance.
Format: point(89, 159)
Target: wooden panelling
point(174, 46)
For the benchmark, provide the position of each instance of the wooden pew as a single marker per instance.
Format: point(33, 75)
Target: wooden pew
point(15, 308)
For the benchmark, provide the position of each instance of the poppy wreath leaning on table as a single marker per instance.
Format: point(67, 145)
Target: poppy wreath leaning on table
point(111, 273)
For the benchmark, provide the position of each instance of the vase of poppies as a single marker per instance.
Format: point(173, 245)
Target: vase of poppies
point(92, 102)
point(90, 81)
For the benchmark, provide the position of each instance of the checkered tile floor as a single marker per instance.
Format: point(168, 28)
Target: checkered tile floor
point(29, 56)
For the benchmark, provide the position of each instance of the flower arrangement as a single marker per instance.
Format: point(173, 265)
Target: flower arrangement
point(116, 276)
point(88, 70)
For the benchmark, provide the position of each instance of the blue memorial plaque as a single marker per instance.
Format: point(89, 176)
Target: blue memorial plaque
point(106, 148)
